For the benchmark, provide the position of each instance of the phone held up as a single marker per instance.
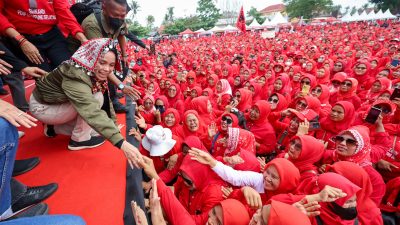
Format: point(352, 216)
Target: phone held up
point(373, 115)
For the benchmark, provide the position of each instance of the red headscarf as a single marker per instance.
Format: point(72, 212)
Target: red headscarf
point(279, 215)
point(177, 125)
point(200, 105)
point(184, 131)
point(245, 99)
point(234, 212)
point(239, 139)
point(289, 176)
point(334, 127)
point(368, 212)
point(282, 103)
point(392, 192)
point(349, 93)
point(312, 151)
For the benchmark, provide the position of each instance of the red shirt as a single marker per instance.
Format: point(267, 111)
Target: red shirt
point(49, 13)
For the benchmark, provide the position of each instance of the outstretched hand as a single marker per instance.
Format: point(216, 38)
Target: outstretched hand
point(308, 208)
point(202, 157)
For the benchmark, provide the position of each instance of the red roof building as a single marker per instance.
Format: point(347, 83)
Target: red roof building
point(273, 9)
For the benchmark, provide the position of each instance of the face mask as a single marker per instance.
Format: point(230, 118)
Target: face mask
point(320, 60)
point(304, 65)
point(288, 63)
point(343, 213)
point(115, 23)
point(160, 108)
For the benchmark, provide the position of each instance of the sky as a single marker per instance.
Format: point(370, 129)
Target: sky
point(158, 8)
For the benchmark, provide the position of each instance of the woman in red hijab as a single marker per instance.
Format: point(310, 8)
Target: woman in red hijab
point(244, 98)
point(340, 118)
point(304, 151)
point(223, 94)
point(336, 81)
point(323, 76)
point(258, 124)
point(347, 92)
point(322, 93)
point(277, 102)
point(353, 145)
point(172, 120)
point(362, 74)
point(342, 211)
point(378, 86)
point(174, 98)
point(282, 86)
point(368, 212)
point(255, 89)
point(192, 126)
point(202, 105)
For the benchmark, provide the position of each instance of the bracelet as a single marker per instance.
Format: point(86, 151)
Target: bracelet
point(19, 38)
point(22, 42)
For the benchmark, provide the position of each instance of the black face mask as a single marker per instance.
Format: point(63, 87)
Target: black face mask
point(115, 23)
point(343, 213)
point(160, 108)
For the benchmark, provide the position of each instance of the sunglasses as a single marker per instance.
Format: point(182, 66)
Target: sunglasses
point(349, 142)
point(237, 96)
point(302, 104)
point(317, 90)
point(273, 100)
point(297, 146)
point(227, 120)
point(173, 90)
point(338, 65)
point(187, 181)
point(305, 82)
point(348, 84)
point(361, 68)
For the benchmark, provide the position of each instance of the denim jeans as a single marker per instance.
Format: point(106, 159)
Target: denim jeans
point(1, 83)
point(47, 220)
point(8, 149)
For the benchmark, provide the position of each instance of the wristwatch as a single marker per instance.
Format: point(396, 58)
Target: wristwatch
point(121, 86)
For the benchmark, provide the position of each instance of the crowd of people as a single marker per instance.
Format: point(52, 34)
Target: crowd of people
point(247, 130)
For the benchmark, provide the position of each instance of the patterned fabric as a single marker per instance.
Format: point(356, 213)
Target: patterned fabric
point(239, 139)
point(99, 85)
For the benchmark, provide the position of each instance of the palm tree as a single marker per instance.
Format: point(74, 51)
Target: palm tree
point(150, 21)
point(365, 6)
point(170, 13)
point(347, 10)
point(135, 8)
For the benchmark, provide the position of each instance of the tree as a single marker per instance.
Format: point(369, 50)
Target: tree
point(135, 8)
point(347, 9)
point(353, 10)
point(150, 21)
point(256, 15)
point(365, 6)
point(335, 10)
point(308, 8)
point(208, 13)
point(138, 29)
point(393, 5)
point(180, 24)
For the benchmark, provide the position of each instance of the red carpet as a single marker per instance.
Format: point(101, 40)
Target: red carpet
point(91, 182)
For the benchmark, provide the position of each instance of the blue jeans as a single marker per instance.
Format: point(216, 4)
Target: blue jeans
point(1, 84)
point(47, 220)
point(8, 149)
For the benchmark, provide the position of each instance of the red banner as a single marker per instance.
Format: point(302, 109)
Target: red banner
point(241, 21)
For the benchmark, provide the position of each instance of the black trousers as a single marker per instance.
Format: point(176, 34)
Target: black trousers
point(16, 84)
point(52, 46)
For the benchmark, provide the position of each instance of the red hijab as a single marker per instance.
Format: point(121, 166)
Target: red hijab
point(289, 176)
point(334, 127)
point(177, 125)
point(279, 215)
point(312, 151)
point(200, 105)
point(245, 99)
point(239, 139)
point(368, 213)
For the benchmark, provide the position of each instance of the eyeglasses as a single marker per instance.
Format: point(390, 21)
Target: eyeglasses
point(349, 141)
point(237, 96)
point(302, 104)
point(172, 90)
point(296, 146)
point(348, 84)
point(338, 65)
point(361, 68)
point(148, 103)
point(317, 90)
point(273, 100)
point(187, 181)
point(305, 82)
point(227, 120)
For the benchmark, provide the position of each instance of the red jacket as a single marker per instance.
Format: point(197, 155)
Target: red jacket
point(16, 14)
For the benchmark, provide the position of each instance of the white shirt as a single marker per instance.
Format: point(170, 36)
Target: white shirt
point(240, 178)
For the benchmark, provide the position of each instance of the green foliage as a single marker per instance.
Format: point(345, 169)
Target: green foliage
point(135, 8)
point(393, 5)
point(353, 10)
point(169, 16)
point(308, 8)
point(208, 13)
point(256, 15)
point(194, 23)
point(138, 29)
point(150, 21)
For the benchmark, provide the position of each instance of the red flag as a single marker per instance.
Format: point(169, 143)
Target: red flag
point(241, 21)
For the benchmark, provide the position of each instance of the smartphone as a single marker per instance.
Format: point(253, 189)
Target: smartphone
point(373, 115)
point(395, 62)
point(395, 94)
point(305, 89)
point(314, 126)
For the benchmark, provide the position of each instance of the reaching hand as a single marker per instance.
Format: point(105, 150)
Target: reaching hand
point(131, 92)
point(136, 133)
point(148, 167)
point(132, 154)
point(155, 205)
point(385, 165)
point(139, 214)
point(15, 116)
point(212, 130)
point(303, 127)
point(310, 209)
point(261, 160)
point(252, 197)
point(202, 157)
point(4, 66)
point(32, 52)
point(173, 159)
point(34, 72)
point(233, 160)
point(140, 121)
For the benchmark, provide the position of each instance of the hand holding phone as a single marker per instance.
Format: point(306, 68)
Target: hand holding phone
point(373, 115)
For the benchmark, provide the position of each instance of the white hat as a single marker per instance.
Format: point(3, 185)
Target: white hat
point(158, 141)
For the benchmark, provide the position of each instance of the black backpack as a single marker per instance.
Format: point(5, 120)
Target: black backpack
point(83, 9)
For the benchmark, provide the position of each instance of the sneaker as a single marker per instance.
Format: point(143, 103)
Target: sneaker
point(92, 143)
point(119, 108)
point(49, 131)
point(35, 210)
point(24, 165)
point(34, 195)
